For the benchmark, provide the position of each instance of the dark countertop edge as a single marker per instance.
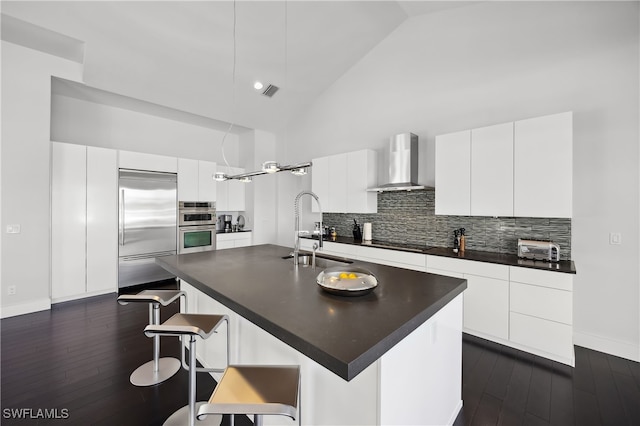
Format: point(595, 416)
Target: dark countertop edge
point(564, 266)
point(236, 232)
point(345, 371)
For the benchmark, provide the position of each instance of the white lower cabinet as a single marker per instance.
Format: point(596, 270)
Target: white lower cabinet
point(541, 313)
point(233, 240)
point(486, 299)
point(84, 221)
point(529, 309)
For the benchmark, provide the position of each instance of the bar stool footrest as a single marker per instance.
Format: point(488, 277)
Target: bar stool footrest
point(181, 417)
point(145, 376)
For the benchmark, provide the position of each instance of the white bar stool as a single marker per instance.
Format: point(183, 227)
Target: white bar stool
point(256, 389)
point(191, 325)
point(159, 369)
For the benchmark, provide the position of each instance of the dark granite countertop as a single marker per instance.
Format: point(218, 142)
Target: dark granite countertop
point(232, 232)
point(344, 334)
point(566, 266)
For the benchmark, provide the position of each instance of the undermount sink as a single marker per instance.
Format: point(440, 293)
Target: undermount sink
point(321, 261)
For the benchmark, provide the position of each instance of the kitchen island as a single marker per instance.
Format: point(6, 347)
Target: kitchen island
point(389, 357)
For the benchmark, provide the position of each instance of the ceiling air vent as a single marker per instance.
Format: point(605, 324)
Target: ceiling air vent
point(270, 90)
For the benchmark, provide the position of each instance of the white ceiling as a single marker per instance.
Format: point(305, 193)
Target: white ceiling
point(180, 54)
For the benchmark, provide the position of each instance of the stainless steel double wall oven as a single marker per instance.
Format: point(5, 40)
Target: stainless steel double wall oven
point(197, 226)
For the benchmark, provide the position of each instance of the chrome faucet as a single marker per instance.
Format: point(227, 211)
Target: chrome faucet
point(296, 206)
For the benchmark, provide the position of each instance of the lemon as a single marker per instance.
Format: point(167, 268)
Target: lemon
point(352, 276)
point(344, 275)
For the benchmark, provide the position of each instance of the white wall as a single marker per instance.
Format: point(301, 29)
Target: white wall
point(502, 61)
point(88, 123)
point(256, 147)
point(26, 100)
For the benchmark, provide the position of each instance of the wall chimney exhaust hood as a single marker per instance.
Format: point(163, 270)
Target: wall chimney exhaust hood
point(403, 164)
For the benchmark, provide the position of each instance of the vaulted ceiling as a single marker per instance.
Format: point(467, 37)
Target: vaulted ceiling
point(180, 54)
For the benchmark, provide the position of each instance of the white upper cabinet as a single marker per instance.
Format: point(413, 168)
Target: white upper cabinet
point(338, 191)
point(492, 170)
point(362, 169)
point(521, 169)
point(320, 183)
point(341, 182)
point(207, 186)
point(195, 180)
point(230, 194)
point(143, 161)
point(187, 180)
point(543, 165)
point(453, 173)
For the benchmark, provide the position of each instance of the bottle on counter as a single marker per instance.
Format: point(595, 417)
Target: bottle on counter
point(462, 240)
point(456, 240)
point(334, 234)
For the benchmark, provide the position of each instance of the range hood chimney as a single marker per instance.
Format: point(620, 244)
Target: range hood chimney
point(403, 164)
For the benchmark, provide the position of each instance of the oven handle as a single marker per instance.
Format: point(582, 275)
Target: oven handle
point(197, 228)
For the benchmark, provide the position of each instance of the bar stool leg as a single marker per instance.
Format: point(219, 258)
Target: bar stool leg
point(257, 420)
point(187, 415)
point(159, 369)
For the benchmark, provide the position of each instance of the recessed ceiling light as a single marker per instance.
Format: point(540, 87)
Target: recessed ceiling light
point(257, 85)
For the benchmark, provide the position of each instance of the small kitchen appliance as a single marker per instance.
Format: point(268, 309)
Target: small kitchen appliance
point(226, 220)
point(538, 250)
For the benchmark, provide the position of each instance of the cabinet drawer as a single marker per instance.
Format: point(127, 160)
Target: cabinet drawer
point(542, 302)
point(339, 249)
point(392, 256)
point(557, 280)
point(542, 334)
point(483, 269)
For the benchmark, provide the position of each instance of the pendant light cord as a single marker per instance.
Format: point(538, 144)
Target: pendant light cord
point(233, 89)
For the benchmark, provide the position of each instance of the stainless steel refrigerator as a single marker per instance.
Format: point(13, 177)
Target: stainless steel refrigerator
point(147, 225)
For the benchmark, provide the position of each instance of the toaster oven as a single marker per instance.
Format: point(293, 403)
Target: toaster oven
point(538, 250)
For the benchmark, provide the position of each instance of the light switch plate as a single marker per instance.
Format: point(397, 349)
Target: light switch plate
point(13, 229)
point(615, 238)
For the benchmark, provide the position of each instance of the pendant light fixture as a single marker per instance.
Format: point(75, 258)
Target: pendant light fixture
point(268, 167)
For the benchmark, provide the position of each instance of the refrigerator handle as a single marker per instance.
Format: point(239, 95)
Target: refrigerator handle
point(122, 217)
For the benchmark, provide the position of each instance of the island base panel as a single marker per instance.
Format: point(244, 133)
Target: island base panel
point(418, 381)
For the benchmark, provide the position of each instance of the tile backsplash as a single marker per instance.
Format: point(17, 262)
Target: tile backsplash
point(409, 217)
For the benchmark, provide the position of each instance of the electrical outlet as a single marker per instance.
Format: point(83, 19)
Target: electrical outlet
point(615, 238)
point(11, 290)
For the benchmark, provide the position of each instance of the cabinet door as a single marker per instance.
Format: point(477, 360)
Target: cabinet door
point(102, 220)
point(320, 183)
point(143, 161)
point(68, 220)
point(453, 177)
point(543, 166)
point(361, 175)
point(486, 306)
point(338, 184)
point(222, 192)
point(236, 191)
point(187, 179)
point(492, 171)
point(206, 183)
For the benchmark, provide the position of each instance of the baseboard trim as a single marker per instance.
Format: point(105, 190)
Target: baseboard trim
point(25, 308)
point(82, 296)
point(603, 344)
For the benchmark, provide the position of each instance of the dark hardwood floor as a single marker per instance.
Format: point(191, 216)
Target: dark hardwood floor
point(78, 357)
point(504, 386)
